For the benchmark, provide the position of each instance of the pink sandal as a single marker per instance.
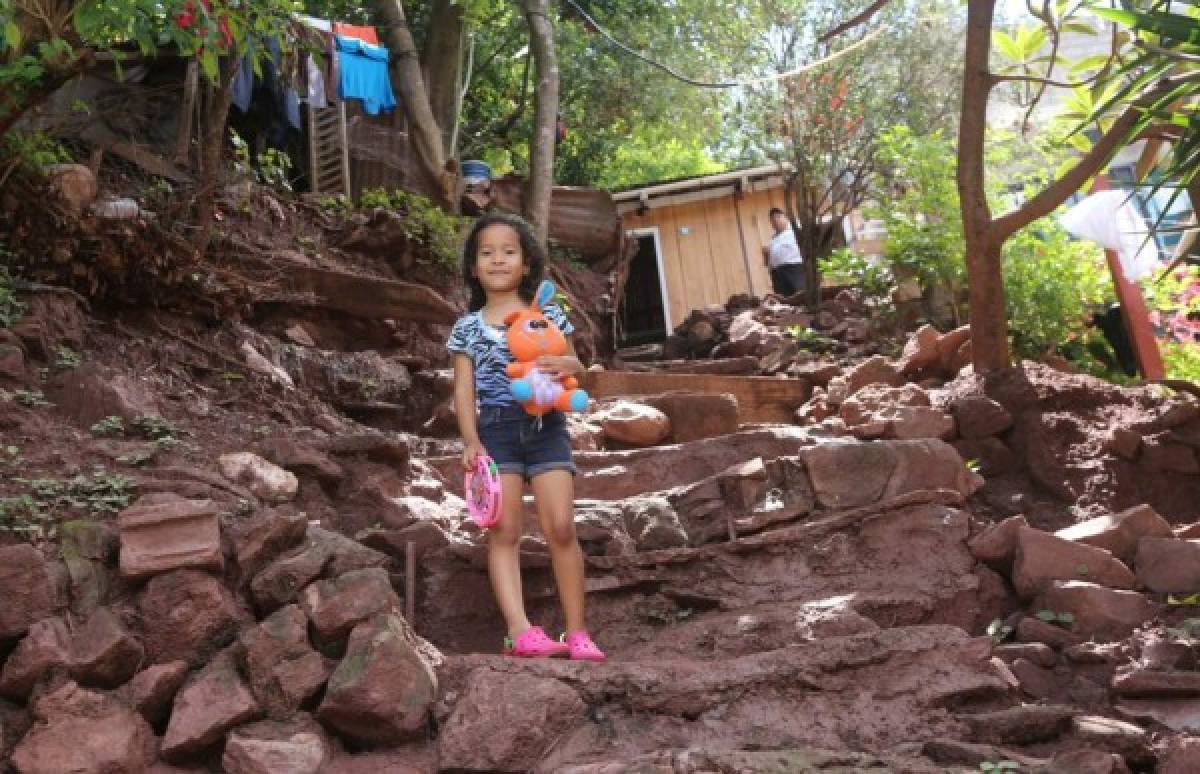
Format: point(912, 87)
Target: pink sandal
point(581, 647)
point(533, 643)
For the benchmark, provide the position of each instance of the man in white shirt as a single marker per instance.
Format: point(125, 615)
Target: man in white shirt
point(783, 257)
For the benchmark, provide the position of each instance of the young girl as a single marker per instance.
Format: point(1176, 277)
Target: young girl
point(502, 266)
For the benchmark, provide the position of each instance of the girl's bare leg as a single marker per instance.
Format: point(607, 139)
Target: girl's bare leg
point(554, 492)
point(504, 560)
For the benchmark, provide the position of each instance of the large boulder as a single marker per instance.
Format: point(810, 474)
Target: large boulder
point(653, 523)
point(265, 479)
point(537, 712)
point(852, 474)
point(297, 746)
point(1119, 533)
point(1168, 565)
point(979, 416)
point(1181, 756)
point(186, 615)
point(323, 554)
point(27, 588)
point(336, 606)
point(152, 691)
point(214, 701)
point(634, 424)
point(283, 669)
point(168, 536)
point(697, 415)
point(90, 393)
point(1099, 612)
point(998, 543)
point(45, 648)
point(383, 689)
point(1042, 558)
point(103, 652)
point(82, 732)
point(873, 370)
point(265, 535)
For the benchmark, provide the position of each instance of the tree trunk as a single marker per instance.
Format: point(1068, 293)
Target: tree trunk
point(545, 117)
point(989, 318)
point(441, 62)
point(406, 77)
point(212, 143)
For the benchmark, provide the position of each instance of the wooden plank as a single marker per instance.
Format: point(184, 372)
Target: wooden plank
point(760, 399)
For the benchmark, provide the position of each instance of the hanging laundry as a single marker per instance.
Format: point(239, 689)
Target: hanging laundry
point(315, 83)
point(366, 34)
point(365, 76)
point(242, 88)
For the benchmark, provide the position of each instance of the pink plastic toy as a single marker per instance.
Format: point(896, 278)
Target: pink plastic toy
point(482, 487)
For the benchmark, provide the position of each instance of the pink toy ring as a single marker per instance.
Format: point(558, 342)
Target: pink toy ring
point(482, 488)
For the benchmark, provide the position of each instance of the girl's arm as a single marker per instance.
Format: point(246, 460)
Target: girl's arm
point(561, 366)
point(464, 408)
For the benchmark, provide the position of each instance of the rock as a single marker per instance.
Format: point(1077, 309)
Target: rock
point(868, 402)
point(266, 480)
point(186, 615)
point(214, 701)
point(1034, 680)
point(1042, 558)
point(1190, 532)
point(1119, 533)
point(816, 372)
point(1087, 762)
point(382, 691)
point(653, 523)
point(920, 351)
point(1125, 443)
point(14, 723)
point(103, 652)
point(1168, 565)
point(89, 393)
point(1174, 713)
point(334, 607)
point(282, 668)
point(27, 588)
point(82, 732)
point(426, 537)
point(909, 422)
point(634, 424)
point(87, 547)
point(298, 334)
point(1100, 612)
point(1031, 629)
point(12, 356)
point(302, 459)
point(1021, 725)
point(1181, 756)
point(152, 691)
point(169, 536)
point(746, 335)
point(1095, 653)
point(1162, 652)
point(265, 535)
point(1157, 683)
point(323, 554)
point(949, 346)
point(1168, 456)
point(979, 416)
point(851, 474)
point(298, 746)
point(73, 185)
point(873, 370)
point(998, 543)
point(697, 415)
point(45, 648)
point(585, 436)
point(1035, 652)
point(538, 711)
point(929, 464)
point(1127, 740)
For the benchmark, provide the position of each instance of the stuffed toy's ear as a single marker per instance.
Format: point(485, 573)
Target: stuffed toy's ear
point(511, 317)
point(544, 295)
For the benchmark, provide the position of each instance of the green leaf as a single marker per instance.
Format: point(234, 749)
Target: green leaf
point(12, 35)
point(1067, 618)
point(1006, 45)
point(208, 63)
point(1048, 616)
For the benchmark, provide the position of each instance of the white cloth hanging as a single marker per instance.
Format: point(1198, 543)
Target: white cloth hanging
point(1109, 219)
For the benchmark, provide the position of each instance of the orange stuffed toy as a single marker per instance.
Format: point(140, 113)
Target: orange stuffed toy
point(531, 335)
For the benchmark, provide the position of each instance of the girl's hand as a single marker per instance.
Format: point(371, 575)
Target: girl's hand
point(471, 451)
point(559, 367)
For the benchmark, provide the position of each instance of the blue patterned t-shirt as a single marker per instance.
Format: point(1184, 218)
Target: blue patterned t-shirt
point(488, 349)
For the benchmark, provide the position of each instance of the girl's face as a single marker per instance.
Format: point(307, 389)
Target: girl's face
point(499, 262)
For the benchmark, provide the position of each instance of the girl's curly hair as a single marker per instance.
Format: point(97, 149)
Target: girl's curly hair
point(535, 258)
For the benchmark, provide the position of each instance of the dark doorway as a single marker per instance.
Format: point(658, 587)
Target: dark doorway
point(643, 319)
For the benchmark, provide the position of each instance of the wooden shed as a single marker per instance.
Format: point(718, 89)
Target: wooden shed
point(699, 240)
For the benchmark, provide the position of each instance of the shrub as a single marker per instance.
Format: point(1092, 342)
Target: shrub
point(424, 222)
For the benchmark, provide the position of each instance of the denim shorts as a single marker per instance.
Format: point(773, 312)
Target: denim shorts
point(524, 444)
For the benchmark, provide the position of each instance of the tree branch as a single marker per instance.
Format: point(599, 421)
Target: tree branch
point(857, 20)
point(1092, 162)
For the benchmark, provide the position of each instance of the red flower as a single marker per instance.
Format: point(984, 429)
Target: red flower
point(223, 25)
point(186, 19)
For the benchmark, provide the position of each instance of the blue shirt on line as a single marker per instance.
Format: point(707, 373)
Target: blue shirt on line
point(364, 75)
